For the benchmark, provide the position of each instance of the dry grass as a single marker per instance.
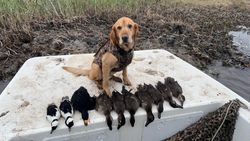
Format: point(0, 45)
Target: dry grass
point(210, 2)
point(14, 14)
point(16, 11)
point(204, 2)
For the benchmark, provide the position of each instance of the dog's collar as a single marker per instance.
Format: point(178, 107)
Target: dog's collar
point(122, 51)
point(118, 49)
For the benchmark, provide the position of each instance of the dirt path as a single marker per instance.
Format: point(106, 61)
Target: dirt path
point(199, 35)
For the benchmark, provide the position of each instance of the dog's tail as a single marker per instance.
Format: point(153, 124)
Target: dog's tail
point(76, 71)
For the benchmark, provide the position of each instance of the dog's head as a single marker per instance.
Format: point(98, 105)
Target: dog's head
point(124, 32)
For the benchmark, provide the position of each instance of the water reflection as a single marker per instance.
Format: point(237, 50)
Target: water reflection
point(3, 84)
point(235, 79)
point(241, 39)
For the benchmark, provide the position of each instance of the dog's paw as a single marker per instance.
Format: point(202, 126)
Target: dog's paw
point(109, 94)
point(99, 85)
point(107, 91)
point(127, 82)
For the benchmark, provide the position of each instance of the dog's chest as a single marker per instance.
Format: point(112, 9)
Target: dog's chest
point(124, 58)
point(123, 61)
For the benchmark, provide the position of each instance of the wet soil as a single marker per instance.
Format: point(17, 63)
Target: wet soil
point(199, 35)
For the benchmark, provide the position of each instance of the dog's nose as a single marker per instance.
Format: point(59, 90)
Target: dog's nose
point(125, 39)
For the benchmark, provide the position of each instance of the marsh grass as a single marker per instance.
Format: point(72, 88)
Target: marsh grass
point(14, 12)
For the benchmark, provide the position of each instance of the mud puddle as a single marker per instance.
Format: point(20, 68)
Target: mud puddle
point(241, 39)
point(235, 79)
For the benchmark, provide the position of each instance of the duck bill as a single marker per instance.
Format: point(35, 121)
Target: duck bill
point(53, 129)
point(86, 122)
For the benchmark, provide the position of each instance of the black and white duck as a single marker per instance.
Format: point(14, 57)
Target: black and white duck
point(66, 110)
point(53, 115)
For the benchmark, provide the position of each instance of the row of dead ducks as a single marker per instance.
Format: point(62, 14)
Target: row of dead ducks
point(144, 97)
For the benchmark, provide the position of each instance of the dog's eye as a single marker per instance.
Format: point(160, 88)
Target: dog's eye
point(129, 26)
point(119, 27)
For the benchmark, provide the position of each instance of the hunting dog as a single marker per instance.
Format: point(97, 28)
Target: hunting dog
point(114, 56)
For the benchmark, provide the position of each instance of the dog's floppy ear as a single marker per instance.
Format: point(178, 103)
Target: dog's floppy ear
point(136, 29)
point(112, 36)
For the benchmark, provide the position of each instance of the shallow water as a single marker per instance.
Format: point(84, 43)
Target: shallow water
point(235, 79)
point(241, 39)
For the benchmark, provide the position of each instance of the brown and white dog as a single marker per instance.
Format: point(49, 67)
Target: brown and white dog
point(113, 57)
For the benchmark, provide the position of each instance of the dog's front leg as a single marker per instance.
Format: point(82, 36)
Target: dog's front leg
point(108, 62)
point(125, 77)
point(105, 80)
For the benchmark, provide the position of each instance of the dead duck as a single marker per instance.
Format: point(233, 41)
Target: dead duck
point(131, 103)
point(145, 102)
point(167, 94)
point(53, 115)
point(66, 110)
point(82, 102)
point(175, 88)
point(156, 96)
point(104, 106)
point(119, 107)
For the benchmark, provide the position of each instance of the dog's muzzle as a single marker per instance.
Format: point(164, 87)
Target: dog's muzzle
point(125, 39)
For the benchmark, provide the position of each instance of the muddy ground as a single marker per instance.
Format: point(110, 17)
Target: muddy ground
point(199, 35)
